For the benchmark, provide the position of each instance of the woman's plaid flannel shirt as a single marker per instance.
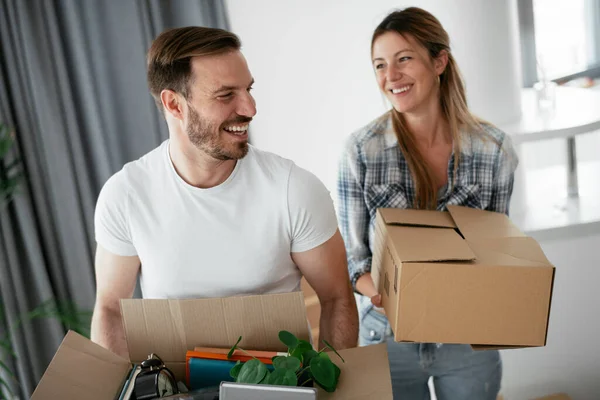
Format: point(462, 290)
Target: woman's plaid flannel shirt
point(373, 173)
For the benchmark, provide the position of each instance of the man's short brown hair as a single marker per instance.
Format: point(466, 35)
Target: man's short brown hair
point(170, 54)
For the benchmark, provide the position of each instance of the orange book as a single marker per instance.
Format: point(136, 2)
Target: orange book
point(213, 351)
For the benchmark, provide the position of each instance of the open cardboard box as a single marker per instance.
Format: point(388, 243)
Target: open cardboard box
point(464, 276)
point(82, 369)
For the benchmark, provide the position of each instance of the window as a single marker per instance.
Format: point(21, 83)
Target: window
point(560, 39)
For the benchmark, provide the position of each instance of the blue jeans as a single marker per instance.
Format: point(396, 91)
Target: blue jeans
point(458, 371)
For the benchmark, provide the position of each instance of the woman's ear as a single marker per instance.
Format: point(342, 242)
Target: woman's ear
point(440, 62)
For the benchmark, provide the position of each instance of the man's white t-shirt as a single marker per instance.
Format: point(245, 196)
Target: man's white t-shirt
point(232, 239)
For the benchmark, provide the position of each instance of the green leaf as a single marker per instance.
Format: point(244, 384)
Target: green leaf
point(337, 376)
point(253, 371)
point(235, 370)
point(291, 363)
point(282, 377)
point(302, 347)
point(7, 346)
point(264, 380)
point(65, 312)
point(304, 344)
point(330, 347)
point(8, 371)
point(234, 347)
point(6, 140)
point(307, 356)
point(322, 370)
point(5, 384)
point(288, 339)
point(275, 358)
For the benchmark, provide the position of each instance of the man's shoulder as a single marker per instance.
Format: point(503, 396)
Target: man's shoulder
point(149, 163)
point(269, 163)
point(136, 173)
point(283, 171)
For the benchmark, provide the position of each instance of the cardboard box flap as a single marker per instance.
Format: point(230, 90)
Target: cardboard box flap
point(476, 224)
point(524, 251)
point(398, 216)
point(364, 376)
point(169, 328)
point(488, 257)
point(81, 369)
point(417, 244)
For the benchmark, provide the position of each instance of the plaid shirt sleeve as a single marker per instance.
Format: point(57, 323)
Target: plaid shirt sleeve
point(504, 174)
point(353, 215)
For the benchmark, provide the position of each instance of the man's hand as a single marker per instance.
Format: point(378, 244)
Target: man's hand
point(325, 269)
point(116, 277)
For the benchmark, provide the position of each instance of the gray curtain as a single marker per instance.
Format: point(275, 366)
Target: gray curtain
point(73, 86)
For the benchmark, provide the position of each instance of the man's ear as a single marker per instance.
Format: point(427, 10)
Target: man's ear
point(440, 62)
point(172, 103)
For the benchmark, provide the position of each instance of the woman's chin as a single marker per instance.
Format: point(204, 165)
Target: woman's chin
point(403, 108)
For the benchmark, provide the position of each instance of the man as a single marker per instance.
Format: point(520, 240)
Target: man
point(207, 215)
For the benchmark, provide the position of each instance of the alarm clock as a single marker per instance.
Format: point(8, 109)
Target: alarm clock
point(154, 381)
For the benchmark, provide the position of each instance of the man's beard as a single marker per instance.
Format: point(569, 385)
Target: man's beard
point(206, 136)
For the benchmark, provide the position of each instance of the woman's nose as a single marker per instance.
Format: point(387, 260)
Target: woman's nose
point(393, 74)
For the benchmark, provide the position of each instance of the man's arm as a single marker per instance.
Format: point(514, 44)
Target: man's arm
point(116, 277)
point(325, 269)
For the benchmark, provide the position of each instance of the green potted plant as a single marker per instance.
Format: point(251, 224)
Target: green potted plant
point(10, 174)
point(302, 366)
point(9, 180)
point(66, 312)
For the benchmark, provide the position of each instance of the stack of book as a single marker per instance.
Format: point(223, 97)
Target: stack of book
point(208, 367)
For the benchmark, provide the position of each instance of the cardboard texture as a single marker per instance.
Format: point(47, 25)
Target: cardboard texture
point(558, 396)
point(464, 276)
point(83, 369)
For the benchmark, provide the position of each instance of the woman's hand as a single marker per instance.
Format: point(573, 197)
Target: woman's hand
point(366, 287)
point(376, 300)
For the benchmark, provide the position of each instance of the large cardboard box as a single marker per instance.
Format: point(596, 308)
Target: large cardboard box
point(559, 396)
point(82, 369)
point(464, 276)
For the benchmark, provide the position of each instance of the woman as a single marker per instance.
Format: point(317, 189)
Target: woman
point(427, 152)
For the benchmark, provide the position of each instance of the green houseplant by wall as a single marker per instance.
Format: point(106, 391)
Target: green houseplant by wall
point(10, 174)
point(68, 314)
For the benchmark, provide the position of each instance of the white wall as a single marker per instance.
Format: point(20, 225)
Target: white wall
point(314, 80)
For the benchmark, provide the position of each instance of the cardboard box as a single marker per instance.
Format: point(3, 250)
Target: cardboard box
point(558, 396)
point(464, 276)
point(82, 369)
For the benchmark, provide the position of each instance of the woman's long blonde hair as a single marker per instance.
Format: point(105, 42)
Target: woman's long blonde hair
point(429, 33)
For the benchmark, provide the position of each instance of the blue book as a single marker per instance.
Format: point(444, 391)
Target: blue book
point(206, 373)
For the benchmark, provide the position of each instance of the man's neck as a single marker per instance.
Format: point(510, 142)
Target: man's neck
point(197, 168)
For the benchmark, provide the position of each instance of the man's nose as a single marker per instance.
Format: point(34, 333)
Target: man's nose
point(246, 106)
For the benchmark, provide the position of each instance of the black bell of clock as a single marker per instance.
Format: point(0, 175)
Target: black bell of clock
point(155, 380)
